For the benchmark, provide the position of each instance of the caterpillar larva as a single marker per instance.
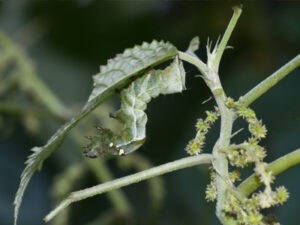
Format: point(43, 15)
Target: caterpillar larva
point(132, 114)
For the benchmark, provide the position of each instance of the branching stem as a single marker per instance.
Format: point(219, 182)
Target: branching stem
point(211, 77)
point(218, 157)
point(220, 162)
point(193, 60)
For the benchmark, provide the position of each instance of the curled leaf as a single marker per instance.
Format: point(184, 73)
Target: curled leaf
point(134, 100)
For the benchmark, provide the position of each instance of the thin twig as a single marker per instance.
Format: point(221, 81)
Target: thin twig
point(127, 180)
point(193, 60)
point(269, 82)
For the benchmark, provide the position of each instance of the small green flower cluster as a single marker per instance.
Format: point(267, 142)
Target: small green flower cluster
point(248, 152)
point(244, 154)
point(235, 176)
point(211, 188)
point(269, 198)
point(195, 145)
point(256, 128)
point(247, 210)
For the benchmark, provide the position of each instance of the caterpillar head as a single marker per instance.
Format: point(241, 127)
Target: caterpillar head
point(107, 142)
point(101, 143)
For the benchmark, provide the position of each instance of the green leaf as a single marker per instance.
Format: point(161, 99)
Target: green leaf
point(113, 76)
point(132, 62)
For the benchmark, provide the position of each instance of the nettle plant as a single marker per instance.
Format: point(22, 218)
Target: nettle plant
point(133, 75)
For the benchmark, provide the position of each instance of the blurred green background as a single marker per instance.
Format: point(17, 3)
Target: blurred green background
point(66, 41)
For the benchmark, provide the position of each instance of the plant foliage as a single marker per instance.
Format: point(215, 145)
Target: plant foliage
point(132, 75)
point(116, 74)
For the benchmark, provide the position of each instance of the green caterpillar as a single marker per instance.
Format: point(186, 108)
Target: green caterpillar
point(132, 114)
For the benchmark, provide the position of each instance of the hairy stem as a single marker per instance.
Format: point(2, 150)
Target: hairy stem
point(211, 77)
point(278, 166)
point(221, 163)
point(269, 82)
point(236, 14)
point(127, 180)
point(103, 174)
point(156, 185)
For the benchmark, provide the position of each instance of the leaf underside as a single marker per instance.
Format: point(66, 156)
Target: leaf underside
point(115, 75)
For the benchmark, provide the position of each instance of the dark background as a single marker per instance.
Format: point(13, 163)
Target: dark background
point(68, 40)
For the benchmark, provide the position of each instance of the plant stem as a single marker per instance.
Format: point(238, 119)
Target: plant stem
point(18, 109)
point(252, 183)
point(193, 60)
point(221, 163)
point(269, 82)
point(117, 197)
point(211, 77)
point(236, 14)
point(31, 82)
point(155, 185)
point(130, 179)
